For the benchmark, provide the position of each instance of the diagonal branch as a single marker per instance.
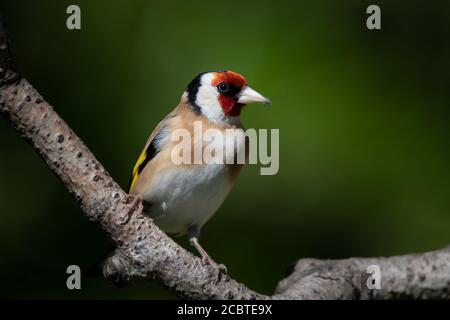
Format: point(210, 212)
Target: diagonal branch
point(143, 250)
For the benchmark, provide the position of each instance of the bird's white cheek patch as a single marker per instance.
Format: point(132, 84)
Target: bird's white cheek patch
point(207, 100)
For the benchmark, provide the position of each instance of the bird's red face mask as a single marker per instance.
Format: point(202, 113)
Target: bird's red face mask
point(234, 92)
point(221, 94)
point(229, 84)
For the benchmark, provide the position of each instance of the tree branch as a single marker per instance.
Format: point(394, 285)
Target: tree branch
point(143, 250)
point(414, 276)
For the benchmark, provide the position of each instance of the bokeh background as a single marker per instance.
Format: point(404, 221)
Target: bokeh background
point(363, 118)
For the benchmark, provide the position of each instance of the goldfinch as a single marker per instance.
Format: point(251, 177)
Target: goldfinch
point(181, 198)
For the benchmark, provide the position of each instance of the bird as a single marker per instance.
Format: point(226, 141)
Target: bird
point(181, 198)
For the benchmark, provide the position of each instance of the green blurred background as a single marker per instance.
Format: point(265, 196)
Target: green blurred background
point(363, 118)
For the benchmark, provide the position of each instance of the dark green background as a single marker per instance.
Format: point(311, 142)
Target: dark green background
point(363, 118)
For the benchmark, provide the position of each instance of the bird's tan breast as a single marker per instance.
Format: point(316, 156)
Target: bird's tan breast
point(177, 189)
point(187, 120)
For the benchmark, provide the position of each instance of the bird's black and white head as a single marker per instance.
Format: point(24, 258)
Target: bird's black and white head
point(220, 95)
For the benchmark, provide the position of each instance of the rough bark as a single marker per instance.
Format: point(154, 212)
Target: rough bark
point(143, 250)
point(414, 276)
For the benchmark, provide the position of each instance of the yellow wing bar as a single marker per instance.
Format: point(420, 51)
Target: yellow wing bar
point(136, 172)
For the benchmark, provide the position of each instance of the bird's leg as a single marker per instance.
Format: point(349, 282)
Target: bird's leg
point(193, 233)
point(206, 258)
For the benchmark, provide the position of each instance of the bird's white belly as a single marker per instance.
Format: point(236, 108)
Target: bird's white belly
point(187, 196)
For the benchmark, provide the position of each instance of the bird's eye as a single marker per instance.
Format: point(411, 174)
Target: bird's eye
point(223, 87)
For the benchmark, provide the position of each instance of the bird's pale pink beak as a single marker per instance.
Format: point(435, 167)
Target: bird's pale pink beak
point(248, 95)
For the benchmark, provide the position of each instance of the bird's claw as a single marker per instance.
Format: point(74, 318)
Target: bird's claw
point(137, 202)
point(207, 260)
